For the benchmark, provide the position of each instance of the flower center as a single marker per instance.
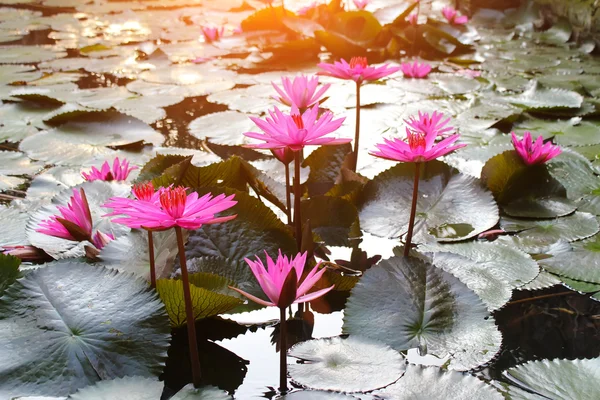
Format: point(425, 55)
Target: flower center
point(143, 191)
point(416, 140)
point(297, 118)
point(358, 62)
point(173, 201)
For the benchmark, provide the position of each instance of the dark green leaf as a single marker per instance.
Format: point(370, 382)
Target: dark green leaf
point(9, 271)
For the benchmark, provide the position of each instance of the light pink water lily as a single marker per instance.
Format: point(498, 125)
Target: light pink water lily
point(421, 147)
point(212, 34)
point(301, 92)
point(415, 70)
point(140, 191)
point(284, 155)
point(536, 152)
point(452, 16)
point(361, 4)
point(357, 70)
point(26, 253)
point(74, 222)
point(273, 277)
point(295, 131)
point(177, 208)
point(119, 172)
point(433, 125)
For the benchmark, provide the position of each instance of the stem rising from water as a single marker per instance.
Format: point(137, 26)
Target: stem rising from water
point(282, 351)
point(413, 210)
point(151, 255)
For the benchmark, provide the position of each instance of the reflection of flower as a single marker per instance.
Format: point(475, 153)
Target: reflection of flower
point(300, 92)
point(212, 34)
point(536, 152)
point(120, 171)
point(176, 208)
point(357, 70)
point(452, 17)
point(273, 278)
point(430, 125)
point(415, 70)
point(361, 4)
point(295, 131)
point(75, 222)
point(421, 147)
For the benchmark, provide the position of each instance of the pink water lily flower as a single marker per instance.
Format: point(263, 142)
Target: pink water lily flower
point(119, 172)
point(296, 131)
point(301, 92)
point(212, 34)
point(284, 155)
point(141, 192)
point(452, 16)
point(357, 70)
point(413, 19)
point(273, 277)
point(305, 10)
point(361, 4)
point(536, 152)
point(177, 208)
point(421, 147)
point(430, 125)
point(74, 222)
point(415, 70)
point(101, 239)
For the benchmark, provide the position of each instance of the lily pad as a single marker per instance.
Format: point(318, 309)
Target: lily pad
point(579, 260)
point(491, 270)
point(206, 302)
point(407, 303)
point(450, 206)
point(533, 235)
point(536, 97)
point(135, 387)
point(559, 379)
point(578, 177)
point(75, 324)
point(436, 384)
point(81, 140)
point(355, 364)
point(542, 281)
point(224, 127)
point(97, 193)
point(9, 271)
point(13, 226)
point(29, 54)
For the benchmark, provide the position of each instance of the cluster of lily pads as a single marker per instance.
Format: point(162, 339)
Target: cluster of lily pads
point(457, 235)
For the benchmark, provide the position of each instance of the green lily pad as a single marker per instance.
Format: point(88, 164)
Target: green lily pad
point(572, 132)
point(422, 306)
point(579, 260)
point(9, 271)
point(205, 300)
point(76, 324)
point(536, 97)
point(470, 159)
point(534, 235)
point(578, 177)
point(558, 379)
point(334, 219)
point(355, 364)
point(13, 226)
point(97, 194)
point(325, 164)
point(580, 286)
point(436, 384)
point(29, 54)
point(226, 127)
point(491, 270)
point(19, 120)
point(542, 281)
point(450, 206)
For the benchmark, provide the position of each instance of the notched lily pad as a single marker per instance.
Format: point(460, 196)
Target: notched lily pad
point(355, 364)
point(425, 307)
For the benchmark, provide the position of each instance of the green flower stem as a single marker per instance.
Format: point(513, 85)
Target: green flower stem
point(282, 351)
point(297, 196)
point(357, 129)
point(413, 210)
point(152, 264)
point(288, 197)
point(189, 312)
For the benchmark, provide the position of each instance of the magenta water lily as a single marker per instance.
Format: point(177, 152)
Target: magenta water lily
point(119, 171)
point(453, 17)
point(536, 152)
point(430, 125)
point(212, 33)
point(302, 92)
point(415, 70)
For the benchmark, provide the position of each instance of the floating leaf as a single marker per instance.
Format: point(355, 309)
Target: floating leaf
point(315, 395)
point(97, 193)
point(436, 384)
point(206, 303)
point(579, 260)
point(542, 281)
point(422, 306)
point(75, 324)
point(135, 387)
point(450, 206)
point(355, 364)
point(29, 54)
point(325, 164)
point(334, 219)
point(536, 97)
point(558, 379)
point(533, 235)
point(578, 177)
point(13, 226)
point(9, 271)
point(224, 127)
point(491, 270)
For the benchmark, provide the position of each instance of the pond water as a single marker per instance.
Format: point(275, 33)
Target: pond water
point(141, 69)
